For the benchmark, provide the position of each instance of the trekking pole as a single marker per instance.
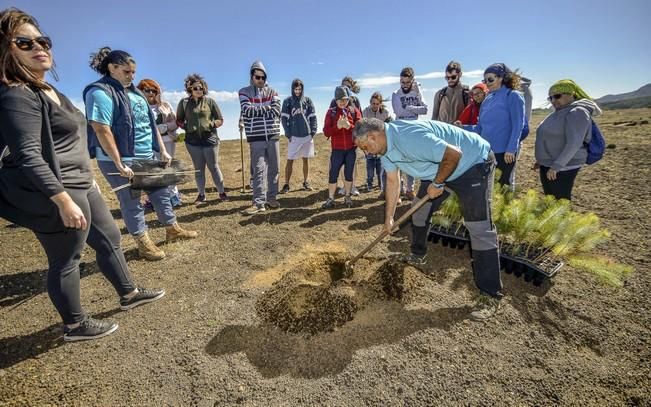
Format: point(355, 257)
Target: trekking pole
point(242, 157)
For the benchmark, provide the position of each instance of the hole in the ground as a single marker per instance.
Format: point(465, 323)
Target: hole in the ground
point(317, 294)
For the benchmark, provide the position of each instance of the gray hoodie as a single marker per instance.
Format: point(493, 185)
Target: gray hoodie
point(561, 136)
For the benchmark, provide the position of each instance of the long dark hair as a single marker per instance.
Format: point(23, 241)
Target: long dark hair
point(100, 60)
point(12, 71)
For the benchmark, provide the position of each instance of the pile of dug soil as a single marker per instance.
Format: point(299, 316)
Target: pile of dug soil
point(317, 294)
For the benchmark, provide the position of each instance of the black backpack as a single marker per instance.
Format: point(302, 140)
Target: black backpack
point(465, 94)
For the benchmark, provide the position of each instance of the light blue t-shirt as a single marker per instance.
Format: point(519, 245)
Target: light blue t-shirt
point(99, 108)
point(417, 147)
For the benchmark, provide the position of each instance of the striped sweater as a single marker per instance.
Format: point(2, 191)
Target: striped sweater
point(260, 110)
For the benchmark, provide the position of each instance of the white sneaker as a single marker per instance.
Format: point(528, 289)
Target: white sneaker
point(354, 191)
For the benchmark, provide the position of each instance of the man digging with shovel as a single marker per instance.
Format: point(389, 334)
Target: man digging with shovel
point(443, 157)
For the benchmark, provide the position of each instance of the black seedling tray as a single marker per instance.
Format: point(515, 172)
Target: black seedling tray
point(533, 271)
point(455, 237)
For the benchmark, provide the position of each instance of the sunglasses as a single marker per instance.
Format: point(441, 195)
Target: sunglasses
point(490, 80)
point(197, 88)
point(451, 77)
point(152, 91)
point(27, 44)
point(555, 97)
point(260, 78)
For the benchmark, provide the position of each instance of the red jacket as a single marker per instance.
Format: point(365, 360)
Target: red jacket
point(470, 114)
point(341, 139)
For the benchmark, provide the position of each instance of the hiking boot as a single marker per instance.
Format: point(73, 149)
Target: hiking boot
point(147, 249)
point(143, 296)
point(307, 186)
point(89, 329)
point(354, 191)
point(348, 201)
point(285, 189)
point(485, 308)
point(341, 191)
point(414, 260)
point(410, 195)
point(328, 204)
point(273, 204)
point(252, 210)
point(175, 232)
point(201, 198)
point(223, 197)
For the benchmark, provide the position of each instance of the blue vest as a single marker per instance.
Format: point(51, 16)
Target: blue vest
point(122, 125)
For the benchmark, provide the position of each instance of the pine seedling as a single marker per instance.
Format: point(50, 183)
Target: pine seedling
point(606, 270)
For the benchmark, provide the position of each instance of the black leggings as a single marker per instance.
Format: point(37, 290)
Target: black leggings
point(561, 188)
point(63, 250)
point(345, 158)
point(508, 171)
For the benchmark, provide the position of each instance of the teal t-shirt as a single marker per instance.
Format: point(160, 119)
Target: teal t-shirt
point(417, 147)
point(99, 108)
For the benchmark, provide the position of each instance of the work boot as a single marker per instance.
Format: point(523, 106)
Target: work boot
point(147, 249)
point(485, 308)
point(175, 232)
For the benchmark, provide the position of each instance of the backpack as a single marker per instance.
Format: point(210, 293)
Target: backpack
point(596, 146)
point(465, 94)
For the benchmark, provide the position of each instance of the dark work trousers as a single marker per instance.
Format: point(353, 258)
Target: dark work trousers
point(561, 188)
point(507, 177)
point(374, 167)
point(475, 191)
point(63, 250)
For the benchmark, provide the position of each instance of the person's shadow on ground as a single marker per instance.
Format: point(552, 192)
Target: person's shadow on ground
point(275, 352)
point(16, 349)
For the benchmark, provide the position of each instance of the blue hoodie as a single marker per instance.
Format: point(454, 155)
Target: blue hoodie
point(501, 120)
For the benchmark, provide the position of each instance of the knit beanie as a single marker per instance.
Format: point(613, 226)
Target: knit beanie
point(341, 92)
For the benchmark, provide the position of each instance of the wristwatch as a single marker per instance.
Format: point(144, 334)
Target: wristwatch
point(438, 186)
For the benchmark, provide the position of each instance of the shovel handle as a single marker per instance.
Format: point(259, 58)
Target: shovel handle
point(396, 225)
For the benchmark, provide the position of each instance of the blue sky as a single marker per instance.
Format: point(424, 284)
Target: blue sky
point(603, 45)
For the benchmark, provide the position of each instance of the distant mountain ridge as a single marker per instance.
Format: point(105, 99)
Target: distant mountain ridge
point(642, 92)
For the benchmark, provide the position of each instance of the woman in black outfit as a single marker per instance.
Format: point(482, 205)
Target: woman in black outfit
point(46, 180)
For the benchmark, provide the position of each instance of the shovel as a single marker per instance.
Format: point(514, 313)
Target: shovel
point(349, 264)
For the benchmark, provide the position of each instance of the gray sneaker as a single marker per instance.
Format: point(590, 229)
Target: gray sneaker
point(89, 329)
point(330, 203)
point(485, 308)
point(143, 296)
point(414, 260)
point(285, 189)
point(252, 210)
point(348, 201)
point(354, 191)
point(307, 186)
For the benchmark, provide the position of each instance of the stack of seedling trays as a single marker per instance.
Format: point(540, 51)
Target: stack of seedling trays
point(538, 235)
point(455, 236)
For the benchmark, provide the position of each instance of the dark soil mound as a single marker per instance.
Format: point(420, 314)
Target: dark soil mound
point(318, 295)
